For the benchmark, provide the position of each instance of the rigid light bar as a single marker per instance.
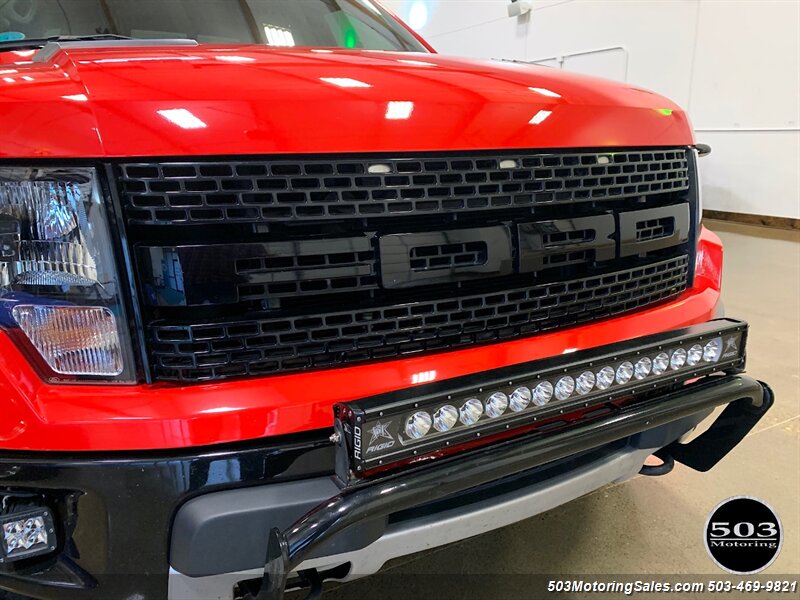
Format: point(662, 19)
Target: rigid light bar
point(423, 422)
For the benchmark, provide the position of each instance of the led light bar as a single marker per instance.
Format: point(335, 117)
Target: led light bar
point(393, 429)
point(26, 534)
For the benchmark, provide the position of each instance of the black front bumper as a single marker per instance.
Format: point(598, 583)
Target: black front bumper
point(116, 513)
point(747, 400)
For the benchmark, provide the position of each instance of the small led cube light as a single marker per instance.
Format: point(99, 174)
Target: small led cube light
point(26, 534)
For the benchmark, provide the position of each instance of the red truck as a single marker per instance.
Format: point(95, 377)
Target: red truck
point(284, 294)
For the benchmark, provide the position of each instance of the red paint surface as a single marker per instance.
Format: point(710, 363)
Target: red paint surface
point(37, 416)
point(255, 100)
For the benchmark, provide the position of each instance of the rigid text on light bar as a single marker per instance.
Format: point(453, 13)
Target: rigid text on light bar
point(397, 427)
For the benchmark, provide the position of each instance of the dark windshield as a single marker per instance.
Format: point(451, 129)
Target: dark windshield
point(318, 23)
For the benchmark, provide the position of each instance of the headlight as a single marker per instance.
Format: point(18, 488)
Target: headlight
point(58, 281)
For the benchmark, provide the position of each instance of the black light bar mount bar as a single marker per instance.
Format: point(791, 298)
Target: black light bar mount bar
point(428, 482)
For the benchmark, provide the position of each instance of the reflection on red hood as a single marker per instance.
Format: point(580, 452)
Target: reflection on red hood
point(212, 100)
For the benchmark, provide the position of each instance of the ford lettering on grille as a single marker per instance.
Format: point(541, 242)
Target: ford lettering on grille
point(193, 275)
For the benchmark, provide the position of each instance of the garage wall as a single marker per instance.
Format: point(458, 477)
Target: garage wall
point(733, 64)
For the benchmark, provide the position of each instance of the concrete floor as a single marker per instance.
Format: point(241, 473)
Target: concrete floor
point(650, 526)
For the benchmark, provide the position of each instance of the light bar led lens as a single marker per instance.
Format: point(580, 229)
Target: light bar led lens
point(418, 424)
point(496, 405)
point(445, 418)
point(585, 382)
point(470, 412)
point(605, 377)
point(542, 393)
point(695, 355)
point(712, 350)
point(520, 399)
point(660, 363)
point(642, 368)
point(678, 359)
point(564, 387)
point(624, 372)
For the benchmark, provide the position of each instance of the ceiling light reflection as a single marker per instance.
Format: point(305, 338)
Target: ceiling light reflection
point(235, 59)
point(545, 92)
point(540, 116)
point(182, 118)
point(399, 110)
point(345, 82)
point(423, 377)
point(418, 63)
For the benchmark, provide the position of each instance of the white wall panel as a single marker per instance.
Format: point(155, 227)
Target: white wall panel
point(658, 36)
point(504, 38)
point(747, 66)
point(445, 16)
point(752, 172)
point(611, 63)
point(733, 64)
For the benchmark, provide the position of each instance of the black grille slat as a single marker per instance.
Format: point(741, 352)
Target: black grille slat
point(271, 345)
point(254, 266)
point(243, 191)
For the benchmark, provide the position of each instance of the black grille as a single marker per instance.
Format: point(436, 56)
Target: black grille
point(260, 266)
point(311, 189)
point(262, 346)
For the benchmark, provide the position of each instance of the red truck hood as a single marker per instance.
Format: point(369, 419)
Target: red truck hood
point(210, 99)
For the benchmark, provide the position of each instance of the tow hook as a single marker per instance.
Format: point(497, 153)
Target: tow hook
point(666, 466)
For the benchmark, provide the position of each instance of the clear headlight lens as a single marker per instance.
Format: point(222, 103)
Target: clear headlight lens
point(58, 280)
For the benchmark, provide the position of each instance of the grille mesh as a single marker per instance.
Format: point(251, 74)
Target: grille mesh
point(242, 191)
point(270, 345)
